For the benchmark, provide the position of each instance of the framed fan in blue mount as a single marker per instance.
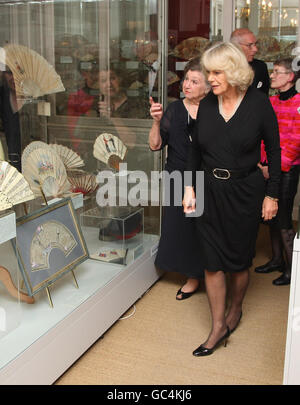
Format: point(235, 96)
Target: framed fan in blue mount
point(49, 245)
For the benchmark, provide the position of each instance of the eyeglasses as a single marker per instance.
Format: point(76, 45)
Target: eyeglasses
point(278, 72)
point(251, 44)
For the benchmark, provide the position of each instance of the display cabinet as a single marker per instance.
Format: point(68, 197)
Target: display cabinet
point(104, 56)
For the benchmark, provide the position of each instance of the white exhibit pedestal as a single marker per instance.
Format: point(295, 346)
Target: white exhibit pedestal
point(292, 351)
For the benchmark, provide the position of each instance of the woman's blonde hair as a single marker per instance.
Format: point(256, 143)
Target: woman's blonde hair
point(231, 60)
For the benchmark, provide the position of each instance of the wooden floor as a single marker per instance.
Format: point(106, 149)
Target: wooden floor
point(154, 345)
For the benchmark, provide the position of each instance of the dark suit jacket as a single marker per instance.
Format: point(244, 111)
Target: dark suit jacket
point(261, 76)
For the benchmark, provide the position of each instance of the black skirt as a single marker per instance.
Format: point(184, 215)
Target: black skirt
point(178, 248)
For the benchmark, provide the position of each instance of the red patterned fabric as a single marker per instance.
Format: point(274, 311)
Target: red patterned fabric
point(288, 116)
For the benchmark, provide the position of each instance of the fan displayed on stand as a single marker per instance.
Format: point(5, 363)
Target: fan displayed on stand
point(45, 173)
point(14, 189)
point(70, 159)
point(29, 148)
point(110, 150)
point(82, 182)
point(33, 75)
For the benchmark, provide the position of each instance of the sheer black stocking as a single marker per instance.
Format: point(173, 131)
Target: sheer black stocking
point(288, 236)
point(238, 286)
point(276, 243)
point(215, 283)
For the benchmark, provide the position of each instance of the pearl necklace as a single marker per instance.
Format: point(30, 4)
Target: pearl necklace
point(227, 117)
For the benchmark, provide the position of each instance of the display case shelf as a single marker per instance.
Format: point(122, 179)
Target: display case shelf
point(38, 352)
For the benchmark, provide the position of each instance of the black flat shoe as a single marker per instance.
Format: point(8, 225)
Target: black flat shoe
point(237, 324)
point(269, 267)
point(184, 295)
point(284, 279)
point(204, 351)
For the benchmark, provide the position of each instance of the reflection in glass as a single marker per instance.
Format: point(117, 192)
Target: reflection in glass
point(275, 24)
point(191, 30)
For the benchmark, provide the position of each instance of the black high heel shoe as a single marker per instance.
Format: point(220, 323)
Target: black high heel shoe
point(204, 351)
point(184, 295)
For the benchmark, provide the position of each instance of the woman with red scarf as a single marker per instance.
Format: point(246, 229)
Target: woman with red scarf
point(286, 105)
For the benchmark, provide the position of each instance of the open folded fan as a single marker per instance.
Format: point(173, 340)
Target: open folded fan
point(46, 173)
point(14, 189)
point(29, 148)
point(70, 159)
point(82, 182)
point(33, 74)
point(109, 149)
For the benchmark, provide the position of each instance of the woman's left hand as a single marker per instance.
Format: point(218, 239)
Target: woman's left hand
point(269, 209)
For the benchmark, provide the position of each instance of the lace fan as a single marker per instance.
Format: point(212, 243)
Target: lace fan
point(14, 189)
point(82, 182)
point(46, 173)
point(70, 159)
point(110, 150)
point(33, 75)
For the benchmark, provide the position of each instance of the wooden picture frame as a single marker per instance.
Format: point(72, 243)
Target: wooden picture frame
point(49, 245)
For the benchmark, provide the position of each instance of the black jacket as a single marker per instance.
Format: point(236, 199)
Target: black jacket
point(261, 76)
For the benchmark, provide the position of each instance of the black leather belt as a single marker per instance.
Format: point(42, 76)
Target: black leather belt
point(226, 174)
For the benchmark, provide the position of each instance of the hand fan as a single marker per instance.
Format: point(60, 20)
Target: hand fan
point(46, 173)
point(70, 159)
point(33, 75)
point(110, 150)
point(14, 189)
point(82, 182)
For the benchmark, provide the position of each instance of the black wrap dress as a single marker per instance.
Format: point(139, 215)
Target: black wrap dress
point(178, 248)
point(228, 228)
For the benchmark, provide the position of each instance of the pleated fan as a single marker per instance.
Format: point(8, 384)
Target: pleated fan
point(29, 148)
point(70, 159)
point(14, 189)
point(46, 173)
point(82, 182)
point(109, 149)
point(33, 74)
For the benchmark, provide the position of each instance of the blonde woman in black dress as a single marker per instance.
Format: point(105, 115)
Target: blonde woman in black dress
point(231, 123)
point(178, 249)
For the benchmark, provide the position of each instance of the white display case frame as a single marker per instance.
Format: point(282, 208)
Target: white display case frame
point(292, 350)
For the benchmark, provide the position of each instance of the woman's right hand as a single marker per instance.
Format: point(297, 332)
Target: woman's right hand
point(156, 110)
point(189, 200)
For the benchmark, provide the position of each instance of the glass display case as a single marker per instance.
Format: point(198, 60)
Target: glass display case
point(78, 74)
point(114, 234)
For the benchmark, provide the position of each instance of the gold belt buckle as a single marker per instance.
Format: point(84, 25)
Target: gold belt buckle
point(217, 176)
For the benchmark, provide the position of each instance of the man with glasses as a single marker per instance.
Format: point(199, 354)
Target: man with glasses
point(248, 43)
